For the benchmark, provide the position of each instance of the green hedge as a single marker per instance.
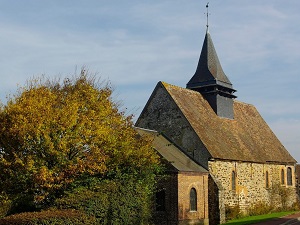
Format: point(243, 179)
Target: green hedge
point(122, 202)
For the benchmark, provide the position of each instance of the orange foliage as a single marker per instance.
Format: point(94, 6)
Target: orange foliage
point(52, 133)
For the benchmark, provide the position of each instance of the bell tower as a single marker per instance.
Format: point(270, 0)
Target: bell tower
point(211, 81)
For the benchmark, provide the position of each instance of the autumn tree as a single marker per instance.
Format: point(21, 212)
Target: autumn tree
point(54, 133)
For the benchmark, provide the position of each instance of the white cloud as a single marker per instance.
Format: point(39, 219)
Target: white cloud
point(137, 43)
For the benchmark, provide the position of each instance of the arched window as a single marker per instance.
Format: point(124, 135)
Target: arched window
point(233, 181)
point(193, 200)
point(289, 176)
point(282, 176)
point(267, 179)
point(160, 200)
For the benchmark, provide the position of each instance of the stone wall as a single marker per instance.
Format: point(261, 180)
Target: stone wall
point(163, 115)
point(252, 185)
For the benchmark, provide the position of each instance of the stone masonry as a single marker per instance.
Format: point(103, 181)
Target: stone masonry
point(251, 183)
point(164, 116)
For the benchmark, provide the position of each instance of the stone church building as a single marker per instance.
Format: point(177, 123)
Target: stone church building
point(219, 151)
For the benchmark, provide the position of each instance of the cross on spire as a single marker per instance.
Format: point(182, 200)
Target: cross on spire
point(207, 15)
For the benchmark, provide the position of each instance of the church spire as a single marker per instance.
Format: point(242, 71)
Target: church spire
point(209, 70)
point(211, 81)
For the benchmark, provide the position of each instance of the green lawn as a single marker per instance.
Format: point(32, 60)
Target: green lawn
point(256, 219)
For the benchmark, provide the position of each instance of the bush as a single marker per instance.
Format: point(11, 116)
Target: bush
point(281, 196)
point(5, 205)
point(232, 212)
point(21, 203)
point(260, 208)
point(120, 201)
point(296, 206)
point(93, 202)
point(58, 217)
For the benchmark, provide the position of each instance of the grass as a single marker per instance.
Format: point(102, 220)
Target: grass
point(257, 219)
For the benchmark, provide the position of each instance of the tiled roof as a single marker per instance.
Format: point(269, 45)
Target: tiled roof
point(171, 153)
point(246, 138)
point(209, 69)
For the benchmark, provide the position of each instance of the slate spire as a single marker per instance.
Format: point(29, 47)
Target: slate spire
point(211, 81)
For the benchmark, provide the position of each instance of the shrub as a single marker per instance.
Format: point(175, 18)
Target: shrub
point(232, 212)
point(93, 202)
point(260, 208)
point(57, 217)
point(296, 206)
point(119, 201)
point(281, 196)
point(5, 204)
point(21, 203)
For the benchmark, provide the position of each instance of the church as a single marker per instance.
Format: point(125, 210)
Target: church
point(219, 152)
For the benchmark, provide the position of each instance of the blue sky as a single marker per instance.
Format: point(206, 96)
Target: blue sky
point(137, 43)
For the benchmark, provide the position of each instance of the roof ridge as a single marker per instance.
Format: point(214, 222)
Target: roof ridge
point(244, 103)
point(166, 85)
